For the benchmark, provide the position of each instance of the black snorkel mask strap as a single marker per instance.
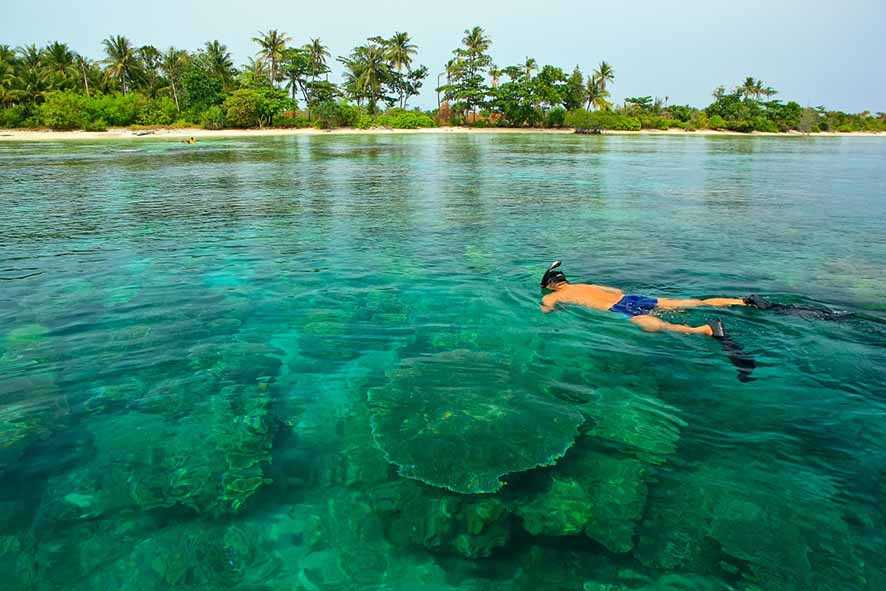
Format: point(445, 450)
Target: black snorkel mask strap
point(552, 274)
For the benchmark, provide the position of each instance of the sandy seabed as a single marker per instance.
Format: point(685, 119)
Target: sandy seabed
point(184, 133)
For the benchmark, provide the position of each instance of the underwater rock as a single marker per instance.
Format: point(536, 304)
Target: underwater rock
point(238, 362)
point(440, 521)
point(591, 492)
point(776, 526)
point(464, 435)
point(646, 426)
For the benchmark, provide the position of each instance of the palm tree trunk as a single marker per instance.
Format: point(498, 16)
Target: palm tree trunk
point(175, 96)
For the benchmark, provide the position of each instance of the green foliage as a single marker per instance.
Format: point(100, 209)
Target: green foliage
point(69, 110)
point(289, 120)
point(249, 107)
point(556, 117)
point(201, 89)
point(243, 108)
point(716, 122)
point(13, 116)
point(64, 110)
point(118, 109)
point(400, 119)
point(582, 119)
point(213, 118)
point(159, 111)
point(330, 115)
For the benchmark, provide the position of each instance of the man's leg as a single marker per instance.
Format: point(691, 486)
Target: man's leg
point(672, 304)
point(653, 324)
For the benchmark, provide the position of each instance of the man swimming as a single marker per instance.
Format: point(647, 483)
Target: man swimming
point(637, 308)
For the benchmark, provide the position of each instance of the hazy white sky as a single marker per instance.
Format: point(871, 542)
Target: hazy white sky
point(829, 53)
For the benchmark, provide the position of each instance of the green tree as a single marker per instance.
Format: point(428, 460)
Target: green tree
point(530, 66)
point(31, 81)
point(604, 75)
point(272, 46)
point(467, 85)
point(121, 60)
point(317, 54)
point(399, 50)
point(219, 62)
point(150, 59)
point(60, 65)
point(173, 63)
point(596, 93)
point(575, 93)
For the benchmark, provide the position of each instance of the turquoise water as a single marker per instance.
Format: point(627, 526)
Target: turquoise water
point(313, 363)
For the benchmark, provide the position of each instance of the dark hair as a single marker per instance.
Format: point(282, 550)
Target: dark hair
point(552, 275)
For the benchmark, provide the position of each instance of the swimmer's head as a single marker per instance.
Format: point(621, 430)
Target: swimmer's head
point(552, 277)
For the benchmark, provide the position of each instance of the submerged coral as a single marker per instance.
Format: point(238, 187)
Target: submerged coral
point(439, 431)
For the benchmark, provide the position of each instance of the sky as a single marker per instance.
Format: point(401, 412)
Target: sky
point(828, 53)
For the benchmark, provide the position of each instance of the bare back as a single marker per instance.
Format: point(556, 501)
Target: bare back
point(598, 297)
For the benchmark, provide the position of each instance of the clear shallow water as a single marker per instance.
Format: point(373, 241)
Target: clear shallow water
point(208, 352)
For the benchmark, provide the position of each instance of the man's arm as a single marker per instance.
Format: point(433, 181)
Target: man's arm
point(548, 302)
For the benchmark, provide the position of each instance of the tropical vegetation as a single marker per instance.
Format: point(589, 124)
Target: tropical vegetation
point(287, 84)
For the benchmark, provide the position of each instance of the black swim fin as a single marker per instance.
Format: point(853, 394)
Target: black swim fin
point(743, 362)
point(803, 311)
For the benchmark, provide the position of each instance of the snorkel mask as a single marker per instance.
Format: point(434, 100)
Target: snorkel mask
point(552, 275)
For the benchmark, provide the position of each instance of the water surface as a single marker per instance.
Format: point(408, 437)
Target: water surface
point(210, 353)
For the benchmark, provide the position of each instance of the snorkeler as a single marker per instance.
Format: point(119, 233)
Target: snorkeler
point(639, 309)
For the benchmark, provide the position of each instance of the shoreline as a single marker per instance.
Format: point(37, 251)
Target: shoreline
point(12, 135)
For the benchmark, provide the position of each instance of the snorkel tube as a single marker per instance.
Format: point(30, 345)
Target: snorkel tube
point(552, 275)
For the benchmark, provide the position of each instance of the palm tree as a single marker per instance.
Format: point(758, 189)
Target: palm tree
point(84, 65)
point(400, 50)
point(58, 60)
point(173, 65)
point(258, 68)
point(604, 74)
point(476, 41)
point(529, 67)
point(220, 63)
point(317, 54)
point(495, 73)
point(271, 47)
point(597, 93)
point(372, 66)
point(122, 61)
point(31, 80)
point(150, 60)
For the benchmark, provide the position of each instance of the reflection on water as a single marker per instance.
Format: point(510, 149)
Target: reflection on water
point(318, 363)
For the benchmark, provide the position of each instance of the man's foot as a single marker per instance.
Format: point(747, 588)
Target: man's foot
point(717, 329)
point(758, 302)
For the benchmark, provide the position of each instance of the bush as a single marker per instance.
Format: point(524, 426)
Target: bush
point(117, 109)
point(764, 124)
point(13, 116)
point(330, 114)
point(582, 119)
point(556, 117)
point(740, 125)
point(64, 110)
point(213, 118)
point(716, 122)
point(243, 108)
point(96, 125)
point(365, 121)
point(159, 111)
point(401, 119)
point(292, 120)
